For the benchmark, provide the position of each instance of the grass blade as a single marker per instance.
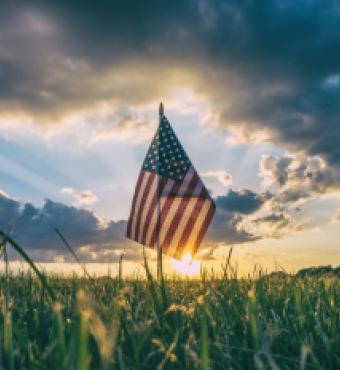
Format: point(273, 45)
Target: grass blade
point(25, 256)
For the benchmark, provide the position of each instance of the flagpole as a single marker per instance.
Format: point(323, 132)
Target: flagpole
point(159, 248)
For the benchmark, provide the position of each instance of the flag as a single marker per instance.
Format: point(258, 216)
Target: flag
point(171, 205)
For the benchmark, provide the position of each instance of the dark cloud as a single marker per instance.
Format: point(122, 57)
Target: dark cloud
point(226, 228)
point(280, 219)
point(291, 196)
point(237, 221)
point(299, 178)
point(232, 209)
point(95, 241)
point(272, 66)
point(243, 201)
point(33, 227)
point(277, 225)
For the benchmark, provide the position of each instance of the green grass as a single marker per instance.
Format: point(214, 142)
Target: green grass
point(267, 322)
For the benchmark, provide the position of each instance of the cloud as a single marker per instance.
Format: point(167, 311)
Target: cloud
point(93, 238)
point(230, 224)
point(4, 194)
point(276, 225)
point(223, 177)
point(298, 178)
point(98, 240)
point(84, 198)
point(66, 190)
point(247, 59)
point(241, 216)
point(226, 229)
point(243, 201)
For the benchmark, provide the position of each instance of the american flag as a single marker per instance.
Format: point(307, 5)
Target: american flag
point(171, 205)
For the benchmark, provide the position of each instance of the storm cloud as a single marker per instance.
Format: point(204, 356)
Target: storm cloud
point(34, 228)
point(243, 201)
point(269, 67)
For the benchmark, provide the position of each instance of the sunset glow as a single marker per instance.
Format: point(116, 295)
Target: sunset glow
point(187, 265)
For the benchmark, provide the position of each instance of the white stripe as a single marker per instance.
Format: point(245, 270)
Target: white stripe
point(153, 220)
point(137, 205)
point(185, 218)
point(197, 226)
point(151, 193)
point(174, 206)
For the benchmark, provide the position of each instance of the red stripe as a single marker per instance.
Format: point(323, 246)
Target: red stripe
point(164, 212)
point(139, 182)
point(178, 215)
point(204, 228)
point(151, 210)
point(148, 184)
point(191, 223)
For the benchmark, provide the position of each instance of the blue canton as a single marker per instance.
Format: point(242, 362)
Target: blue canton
point(172, 160)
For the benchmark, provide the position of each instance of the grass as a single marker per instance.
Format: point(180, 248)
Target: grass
point(267, 322)
point(276, 321)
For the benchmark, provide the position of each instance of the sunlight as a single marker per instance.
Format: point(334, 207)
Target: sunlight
point(187, 265)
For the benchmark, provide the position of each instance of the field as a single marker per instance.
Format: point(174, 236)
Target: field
point(262, 322)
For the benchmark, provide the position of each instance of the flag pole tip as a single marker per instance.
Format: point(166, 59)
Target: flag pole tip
point(161, 109)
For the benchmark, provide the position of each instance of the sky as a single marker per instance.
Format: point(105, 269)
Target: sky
point(252, 90)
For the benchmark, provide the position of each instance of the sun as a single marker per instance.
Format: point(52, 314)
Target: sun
point(187, 265)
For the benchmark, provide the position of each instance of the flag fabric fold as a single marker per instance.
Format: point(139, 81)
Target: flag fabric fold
point(171, 205)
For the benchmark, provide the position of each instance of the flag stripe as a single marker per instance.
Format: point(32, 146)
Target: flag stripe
point(146, 192)
point(197, 226)
point(175, 207)
point(170, 208)
point(151, 232)
point(150, 193)
point(189, 204)
point(165, 202)
point(190, 226)
point(152, 208)
point(138, 200)
point(175, 215)
point(204, 227)
point(133, 207)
